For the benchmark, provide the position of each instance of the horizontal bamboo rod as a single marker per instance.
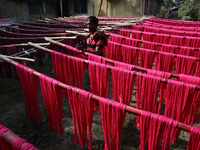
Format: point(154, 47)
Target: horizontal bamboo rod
point(53, 41)
point(39, 47)
point(76, 32)
point(108, 60)
point(21, 54)
point(159, 44)
point(10, 137)
point(19, 58)
point(25, 44)
point(158, 52)
point(63, 37)
point(94, 97)
point(109, 67)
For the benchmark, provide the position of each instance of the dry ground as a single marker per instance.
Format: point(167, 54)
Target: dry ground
point(13, 115)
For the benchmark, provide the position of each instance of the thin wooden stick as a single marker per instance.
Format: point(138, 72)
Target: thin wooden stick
point(27, 52)
point(19, 58)
point(75, 32)
point(47, 19)
point(63, 37)
point(26, 44)
point(39, 47)
point(53, 41)
point(22, 53)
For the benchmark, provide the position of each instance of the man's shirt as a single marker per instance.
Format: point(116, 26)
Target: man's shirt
point(98, 39)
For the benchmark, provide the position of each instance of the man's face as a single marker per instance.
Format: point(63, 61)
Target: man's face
point(91, 26)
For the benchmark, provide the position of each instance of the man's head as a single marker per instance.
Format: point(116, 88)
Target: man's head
point(92, 23)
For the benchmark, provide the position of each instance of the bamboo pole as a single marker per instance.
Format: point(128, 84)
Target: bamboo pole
point(163, 80)
point(63, 37)
point(47, 19)
point(22, 53)
point(94, 97)
point(26, 44)
point(76, 32)
point(42, 21)
point(159, 44)
point(10, 137)
point(108, 60)
point(87, 61)
point(127, 23)
point(39, 47)
point(19, 58)
point(54, 42)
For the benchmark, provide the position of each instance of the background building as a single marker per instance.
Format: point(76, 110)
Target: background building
point(31, 10)
point(28, 10)
point(113, 8)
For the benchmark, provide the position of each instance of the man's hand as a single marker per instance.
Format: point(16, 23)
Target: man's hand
point(79, 46)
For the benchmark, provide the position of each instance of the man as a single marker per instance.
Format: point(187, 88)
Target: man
point(96, 40)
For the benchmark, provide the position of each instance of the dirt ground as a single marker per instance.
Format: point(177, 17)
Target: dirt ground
point(13, 115)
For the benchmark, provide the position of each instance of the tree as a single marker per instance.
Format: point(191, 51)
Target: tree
point(172, 3)
point(189, 10)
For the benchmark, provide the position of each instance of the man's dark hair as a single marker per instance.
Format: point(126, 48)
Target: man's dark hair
point(93, 19)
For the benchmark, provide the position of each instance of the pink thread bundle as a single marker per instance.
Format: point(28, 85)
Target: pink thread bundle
point(82, 108)
point(99, 79)
point(147, 58)
point(130, 55)
point(117, 38)
point(148, 87)
point(159, 129)
point(185, 65)
point(96, 58)
point(123, 84)
point(114, 51)
point(194, 139)
point(194, 112)
point(71, 71)
point(113, 118)
point(29, 85)
point(53, 99)
point(165, 62)
point(163, 86)
point(179, 98)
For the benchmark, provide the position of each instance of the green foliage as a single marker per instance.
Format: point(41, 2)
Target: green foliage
point(179, 2)
point(163, 12)
point(189, 10)
point(169, 3)
point(172, 3)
